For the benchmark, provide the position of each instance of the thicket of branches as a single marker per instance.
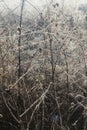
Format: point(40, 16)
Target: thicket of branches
point(43, 69)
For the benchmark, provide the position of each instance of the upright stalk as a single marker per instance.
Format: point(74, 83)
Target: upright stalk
point(19, 41)
point(67, 76)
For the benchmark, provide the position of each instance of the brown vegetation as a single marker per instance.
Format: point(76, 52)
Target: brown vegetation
point(43, 71)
